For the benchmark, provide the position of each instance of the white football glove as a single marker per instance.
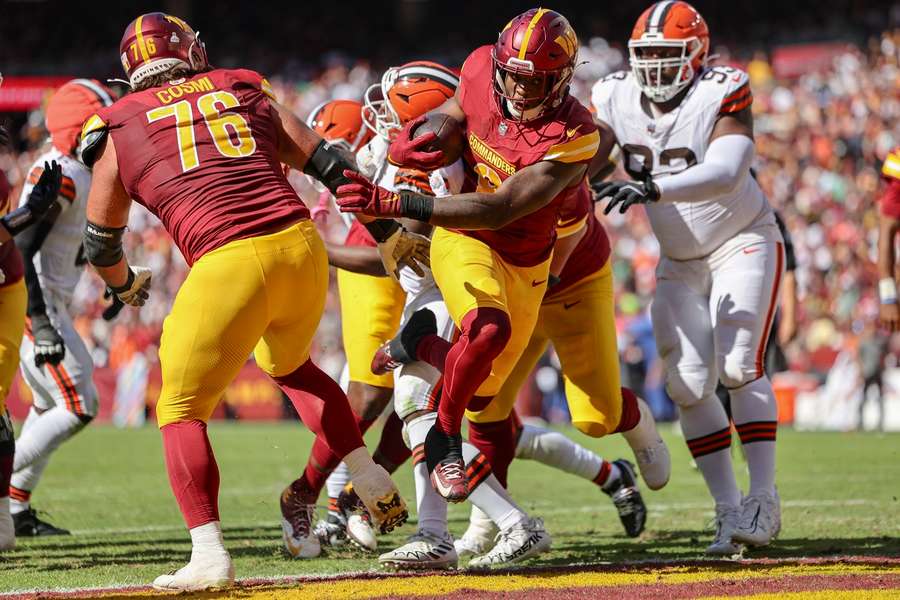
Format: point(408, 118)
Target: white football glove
point(404, 248)
point(137, 287)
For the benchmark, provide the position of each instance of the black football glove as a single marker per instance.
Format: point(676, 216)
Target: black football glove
point(48, 344)
point(45, 191)
point(625, 193)
point(112, 311)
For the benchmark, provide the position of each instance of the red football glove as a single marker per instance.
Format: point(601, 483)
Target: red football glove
point(407, 152)
point(363, 196)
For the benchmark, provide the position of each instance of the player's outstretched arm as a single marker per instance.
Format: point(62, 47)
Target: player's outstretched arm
point(529, 190)
point(356, 259)
point(889, 314)
point(107, 215)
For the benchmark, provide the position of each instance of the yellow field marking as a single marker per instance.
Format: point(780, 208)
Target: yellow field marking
point(818, 595)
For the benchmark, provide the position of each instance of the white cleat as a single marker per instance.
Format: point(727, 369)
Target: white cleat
point(650, 451)
point(727, 518)
point(300, 542)
point(522, 541)
point(475, 541)
point(361, 532)
point(7, 527)
point(760, 520)
point(377, 491)
point(423, 550)
point(209, 569)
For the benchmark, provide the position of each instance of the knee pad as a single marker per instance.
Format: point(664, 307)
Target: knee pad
point(688, 387)
point(736, 371)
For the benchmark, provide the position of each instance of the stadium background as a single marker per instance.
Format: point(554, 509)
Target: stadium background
point(825, 77)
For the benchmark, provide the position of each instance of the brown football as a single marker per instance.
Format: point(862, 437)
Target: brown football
point(450, 136)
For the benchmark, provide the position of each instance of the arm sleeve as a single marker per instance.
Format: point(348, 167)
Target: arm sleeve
point(726, 164)
point(29, 242)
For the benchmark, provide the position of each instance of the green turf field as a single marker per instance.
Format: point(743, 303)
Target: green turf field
point(839, 490)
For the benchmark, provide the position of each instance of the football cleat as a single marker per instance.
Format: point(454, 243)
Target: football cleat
point(298, 510)
point(523, 540)
point(727, 518)
point(359, 523)
point(760, 520)
point(28, 525)
point(443, 457)
point(423, 550)
point(402, 349)
point(381, 498)
point(332, 531)
point(475, 541)
point(627, 499)
point(649, 449)
point(208, 569)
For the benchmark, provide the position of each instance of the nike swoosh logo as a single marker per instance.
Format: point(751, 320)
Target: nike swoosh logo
point(573, 131)
point(568, 305)
point(442, 489)
point(535, 283)
point(751, 250)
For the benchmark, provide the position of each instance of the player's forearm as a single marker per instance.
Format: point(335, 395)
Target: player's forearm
point(356, 259)
point(887, 230)
point(115, 275)
point(563, 249)
point(726, 164)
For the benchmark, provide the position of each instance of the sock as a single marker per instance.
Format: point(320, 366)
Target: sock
point(207, 537)
point(193, 472)
point(44, 433)
point(335, 484)
point(631, 412)
point(431, 509)
point(479, 523)
point(392, 450)
point(708, 435)
point(19, 499)
point(608, 477)
point(756, 420)
point(556, 450)
point(484, 334)
point(433, 349)
point(322, 407)
point(487, 493)
point(497, 441)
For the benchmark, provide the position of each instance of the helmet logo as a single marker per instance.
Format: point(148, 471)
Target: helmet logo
point(174, 39)
point(568, 41)
point(184, 26)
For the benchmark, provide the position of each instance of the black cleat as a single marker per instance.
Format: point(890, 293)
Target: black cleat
point(402, 349)
point(27, 524)
point(628, 501)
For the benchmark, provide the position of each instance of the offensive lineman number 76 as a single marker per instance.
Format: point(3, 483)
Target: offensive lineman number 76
point(221, 124)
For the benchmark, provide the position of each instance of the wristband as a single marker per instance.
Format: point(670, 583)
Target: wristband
point(18, 220)
point(887, 290)
point(382, 229)
point(129, 281)
point(416, 206)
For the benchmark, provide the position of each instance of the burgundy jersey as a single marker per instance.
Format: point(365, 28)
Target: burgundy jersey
point(592, 251)
point(890, 197)
point(498, 148)
point(201, 154)
point(11, 266)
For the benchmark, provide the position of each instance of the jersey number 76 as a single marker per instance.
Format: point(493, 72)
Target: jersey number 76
point(224, 126)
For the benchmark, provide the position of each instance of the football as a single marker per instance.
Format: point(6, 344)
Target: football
point(450, 136)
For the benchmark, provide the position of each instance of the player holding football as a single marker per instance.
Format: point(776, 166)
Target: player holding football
point(13, 302)
point(202, 148)
point(529, 144)
point(55, 363)
point(686, 133)
point(888, 226)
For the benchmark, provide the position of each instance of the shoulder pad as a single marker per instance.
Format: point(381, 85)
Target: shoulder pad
point(93, 133)
point(730, 86)
point(602, 92)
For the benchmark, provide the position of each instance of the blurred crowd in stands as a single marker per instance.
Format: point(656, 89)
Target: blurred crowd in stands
point(821, 136)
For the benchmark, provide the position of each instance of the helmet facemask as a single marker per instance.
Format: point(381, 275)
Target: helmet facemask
point(377, 113)
point(661, 78)
point(541, 90)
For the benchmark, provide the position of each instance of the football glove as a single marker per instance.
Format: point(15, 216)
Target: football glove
point(39, 201)
point(407, 151)
point(112, 311)
point(48, 344)
point(136, 288)
point(626, 193)
point(364, 197)
point(404, 248)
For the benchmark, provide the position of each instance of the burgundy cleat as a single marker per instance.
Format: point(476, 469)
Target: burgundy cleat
point(443, 457)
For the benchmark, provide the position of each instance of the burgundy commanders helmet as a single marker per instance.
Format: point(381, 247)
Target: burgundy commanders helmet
point(537, 43)
point(340, 122)
point(155, 43)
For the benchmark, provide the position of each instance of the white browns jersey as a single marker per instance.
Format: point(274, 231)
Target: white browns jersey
point(676, 141)
point(56, 260)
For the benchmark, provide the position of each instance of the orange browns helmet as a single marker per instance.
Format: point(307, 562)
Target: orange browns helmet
point(340, 122)
point(70, 106)
point(537, 43)
point(407, 92)
point(156, 42)
point(669, 46)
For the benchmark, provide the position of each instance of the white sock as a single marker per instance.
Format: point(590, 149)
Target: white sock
point(479, 521)
point(207, 537)
point(27, 479)
point(706, 419)
point(556, 450)
point(337, 480)
point(491, 497)
point(431, 509)
point(755, 416)
point(44, 435)
point(615, 474)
